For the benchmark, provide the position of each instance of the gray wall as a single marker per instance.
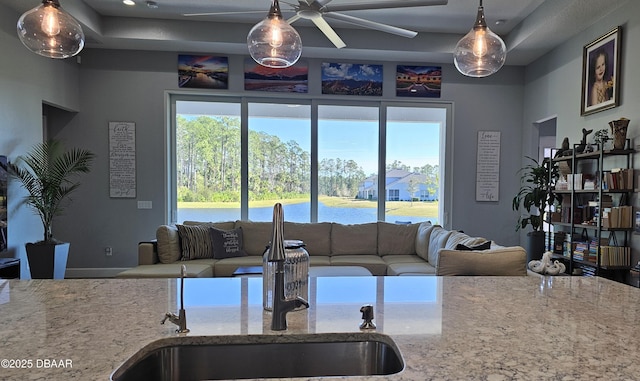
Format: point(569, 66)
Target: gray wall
point(553, 85)
point(132, 86)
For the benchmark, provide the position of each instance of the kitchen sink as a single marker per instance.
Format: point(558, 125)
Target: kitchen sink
point(262, 356)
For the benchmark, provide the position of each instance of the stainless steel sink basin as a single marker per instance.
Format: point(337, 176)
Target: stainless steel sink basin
point(263, 356)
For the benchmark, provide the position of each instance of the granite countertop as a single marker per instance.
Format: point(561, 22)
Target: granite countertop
point(454, 328)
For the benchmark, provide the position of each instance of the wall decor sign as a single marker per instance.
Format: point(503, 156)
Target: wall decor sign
point(293, 79)
point(122, 159)
point(488, 166)
point(351, 79)
point(418, 81)
point(203, 72)
point(601, 73)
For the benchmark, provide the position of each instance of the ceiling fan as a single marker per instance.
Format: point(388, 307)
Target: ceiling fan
point(316, 10)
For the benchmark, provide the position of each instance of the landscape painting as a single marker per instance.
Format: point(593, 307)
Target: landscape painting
point(203, 72)
point(351, 79)
point(293, 79)
point(418, 81)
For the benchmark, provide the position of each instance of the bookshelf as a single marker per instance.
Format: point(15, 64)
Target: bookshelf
point(591, 229)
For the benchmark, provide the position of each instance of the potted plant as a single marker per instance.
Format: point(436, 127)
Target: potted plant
point(534, 196)
point(47, 174)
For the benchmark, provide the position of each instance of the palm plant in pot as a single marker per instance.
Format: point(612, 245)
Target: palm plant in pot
point(534, 196)
point(47, 173)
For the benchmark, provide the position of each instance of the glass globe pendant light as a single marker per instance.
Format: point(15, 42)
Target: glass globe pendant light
point(273, 42)
point(51, 32)
point(480, 52)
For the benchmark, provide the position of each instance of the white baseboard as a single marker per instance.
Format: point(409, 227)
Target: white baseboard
point(93, 272)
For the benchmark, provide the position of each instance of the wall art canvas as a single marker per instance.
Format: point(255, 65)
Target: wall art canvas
point(203, 72)
point(351, 79)
point(418, 81)
point(293, 79)
point(601, 73)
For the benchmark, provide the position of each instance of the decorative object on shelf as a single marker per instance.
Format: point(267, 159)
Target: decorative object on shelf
point(273, 42)
point(534, 195)
point(601, 137)
point(46, 174)
point(480, 52)
point(583, 143)
point(545, 266)
point(51, 32)
point(564, 148)
point(619, 132)
point(601, 73)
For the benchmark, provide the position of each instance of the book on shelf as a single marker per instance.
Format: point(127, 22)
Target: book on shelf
point(618, 179)
point(618, 217)
point(615, 256)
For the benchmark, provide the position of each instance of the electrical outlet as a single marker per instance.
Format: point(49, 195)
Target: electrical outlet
point(145, 204)
point(108, 251)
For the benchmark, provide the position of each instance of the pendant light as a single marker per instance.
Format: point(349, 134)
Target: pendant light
point(273, 42)
point(480, 52)
point(49, 31)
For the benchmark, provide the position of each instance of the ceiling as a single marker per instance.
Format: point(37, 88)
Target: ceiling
point(530, 28)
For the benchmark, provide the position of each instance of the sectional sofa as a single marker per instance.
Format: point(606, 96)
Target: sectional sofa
point(382, 248)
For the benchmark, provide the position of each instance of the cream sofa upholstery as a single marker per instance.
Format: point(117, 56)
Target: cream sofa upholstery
point(382, 248)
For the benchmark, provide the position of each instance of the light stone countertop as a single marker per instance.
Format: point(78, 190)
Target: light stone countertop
point(454, 328)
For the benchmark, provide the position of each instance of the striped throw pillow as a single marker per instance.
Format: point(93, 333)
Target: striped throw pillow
point(195, 242)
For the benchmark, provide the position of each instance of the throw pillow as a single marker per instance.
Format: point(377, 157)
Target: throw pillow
point(482, 246)
point(227, 243)
point(195, 242)
point(168, 244)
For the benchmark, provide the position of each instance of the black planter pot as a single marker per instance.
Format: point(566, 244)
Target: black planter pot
point(534, 245)
point(47, 261)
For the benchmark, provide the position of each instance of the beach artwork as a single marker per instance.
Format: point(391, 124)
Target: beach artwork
point(203, 72)
point(418, 81)
point(293, 79)
point(351, 79)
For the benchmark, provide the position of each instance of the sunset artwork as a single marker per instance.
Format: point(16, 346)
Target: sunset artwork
point(418, 81)
point(293, 79)
point(203, 72)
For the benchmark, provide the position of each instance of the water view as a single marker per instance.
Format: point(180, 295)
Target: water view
point(295, 213)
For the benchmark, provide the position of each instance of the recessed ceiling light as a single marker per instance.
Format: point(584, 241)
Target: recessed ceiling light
point(128, 2)
point(152, 4)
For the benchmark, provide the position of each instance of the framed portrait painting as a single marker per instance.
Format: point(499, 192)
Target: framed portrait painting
point(601, 73)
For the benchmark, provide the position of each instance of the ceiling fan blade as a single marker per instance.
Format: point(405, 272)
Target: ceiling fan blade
point(329, 32)
point(222, 13)
point(383, 5)
point(321, 3)
point(372, 25)
point(293, 19)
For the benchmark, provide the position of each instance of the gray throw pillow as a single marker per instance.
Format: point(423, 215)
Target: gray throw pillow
point(195, 242)
point(227, 243)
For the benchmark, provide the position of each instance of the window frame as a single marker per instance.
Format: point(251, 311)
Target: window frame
point(446, 142)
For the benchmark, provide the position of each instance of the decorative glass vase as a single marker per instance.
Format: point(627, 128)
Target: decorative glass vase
point(296, 274)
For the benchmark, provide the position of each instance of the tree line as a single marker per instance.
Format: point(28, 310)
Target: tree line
point(208, 165)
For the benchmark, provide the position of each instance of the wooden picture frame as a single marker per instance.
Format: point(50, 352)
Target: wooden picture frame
point(601, 73)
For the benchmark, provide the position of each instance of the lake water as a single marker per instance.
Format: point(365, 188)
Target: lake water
point(295, 213)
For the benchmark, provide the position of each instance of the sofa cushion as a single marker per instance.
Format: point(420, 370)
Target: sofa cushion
point(354, 239)
point(319, 260)
point(316, 236)
point(396, 238)
point(199, 268)
point(505, 261)
point(256, 236)
point(402, 258)
point(457, 238)
point(195, 242)
point(422, 239)
point(371, 262)
point(168, 241)
point(437, 241)
point(422, 268)
point(227, 243)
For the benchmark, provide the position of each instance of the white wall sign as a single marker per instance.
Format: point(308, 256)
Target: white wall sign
point(122, 159)
point(488, 166)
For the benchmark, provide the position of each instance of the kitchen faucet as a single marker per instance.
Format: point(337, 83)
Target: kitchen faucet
point(276, 254)
point(181, 319)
